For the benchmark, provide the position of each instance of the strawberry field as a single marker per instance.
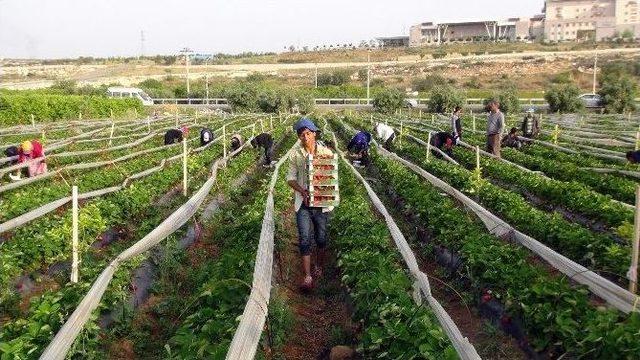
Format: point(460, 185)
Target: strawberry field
point(527, 256)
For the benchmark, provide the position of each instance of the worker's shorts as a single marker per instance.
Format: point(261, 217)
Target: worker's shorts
point(310, 219)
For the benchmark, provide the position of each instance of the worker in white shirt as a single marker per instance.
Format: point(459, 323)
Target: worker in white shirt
point(385, 134)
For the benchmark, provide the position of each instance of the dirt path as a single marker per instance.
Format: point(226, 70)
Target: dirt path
point(127, 75)
point(322, 317)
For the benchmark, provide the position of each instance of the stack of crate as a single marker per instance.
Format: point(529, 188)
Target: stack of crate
point(323, 181)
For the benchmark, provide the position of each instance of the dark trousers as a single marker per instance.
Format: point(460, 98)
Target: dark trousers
point(389, 143)
point(307, 217)
point(268, 154)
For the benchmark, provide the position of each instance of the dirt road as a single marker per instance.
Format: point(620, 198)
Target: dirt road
point(131, 74)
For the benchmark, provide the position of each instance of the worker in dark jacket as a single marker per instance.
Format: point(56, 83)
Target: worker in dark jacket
point(443, 141)
point(359, 147)
point(456, 124)
point(206, 136)
point(633, 156)
point(175, 135)
point(12, 152)
point(265, 141)
point(236, 142)
point(511, 139)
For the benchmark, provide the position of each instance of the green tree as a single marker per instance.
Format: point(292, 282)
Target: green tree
point(388, 100)
point(564, 98)
point(618, 95)
point(507, 97)
point(443, 98)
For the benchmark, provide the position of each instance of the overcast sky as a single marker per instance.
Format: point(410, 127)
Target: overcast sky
point(71, 28)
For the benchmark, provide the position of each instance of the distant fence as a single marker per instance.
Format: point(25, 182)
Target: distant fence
point(335, 101)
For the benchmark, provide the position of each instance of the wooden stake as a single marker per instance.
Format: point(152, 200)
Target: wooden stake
point(428, 146)
point(184, 165)
point(148, 125)
point(637, 140)
point(478, 159)
point(433, 118)
point(195, 121)
point(556, 133)
point(135, 113)
point(74, 234)
point(633, 271)
point(79, 115)
point(474, 123)
point(420, 113)
point(33, 121)
point(111, 112)
point(271, 121)
point(401, 132)
point(224, 141)
point(261, 126)
point(113, 127)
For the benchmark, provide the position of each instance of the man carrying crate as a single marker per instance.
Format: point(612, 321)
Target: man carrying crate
point(313, 176)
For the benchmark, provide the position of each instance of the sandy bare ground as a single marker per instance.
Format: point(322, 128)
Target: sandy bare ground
point(127, 74)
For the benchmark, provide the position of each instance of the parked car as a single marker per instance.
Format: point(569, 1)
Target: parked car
point(124, 92)
point(411, 103)
point(591, 100)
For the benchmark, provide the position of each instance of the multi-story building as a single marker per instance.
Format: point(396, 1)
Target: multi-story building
point(569, 20)
point(562, 20)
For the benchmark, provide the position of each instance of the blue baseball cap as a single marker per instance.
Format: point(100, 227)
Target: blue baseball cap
point(305, 123)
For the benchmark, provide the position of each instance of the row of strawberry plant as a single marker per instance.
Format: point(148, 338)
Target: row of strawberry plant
point(149, 218)
point(595, 251)
point(205, 326)
point(28, 197)
point(393, 325)
point(177, 271)
point(44, 240)
point(570, 195)
point(558, 316)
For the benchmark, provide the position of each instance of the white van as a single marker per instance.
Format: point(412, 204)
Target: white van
point(124, 92)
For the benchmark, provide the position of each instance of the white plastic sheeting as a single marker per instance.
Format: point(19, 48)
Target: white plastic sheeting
point(462, 345)
point(65, 337)
point(247, 335)
point(613, 294)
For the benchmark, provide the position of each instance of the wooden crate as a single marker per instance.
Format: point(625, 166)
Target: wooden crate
point(323, 181)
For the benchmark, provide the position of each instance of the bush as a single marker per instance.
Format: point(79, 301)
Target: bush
point(507, 97)
point(443, 98)
point(562, 78)
point(242, 98)
point(564, 98)
point(338, 77)
point(388, 100)
point(17, 108)
point(428, 82)
point(618, 95)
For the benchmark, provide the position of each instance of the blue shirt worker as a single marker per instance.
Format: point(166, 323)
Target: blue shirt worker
point(359, 146)
point(308, 218)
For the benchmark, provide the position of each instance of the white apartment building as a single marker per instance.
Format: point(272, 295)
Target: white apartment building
point(562, 20)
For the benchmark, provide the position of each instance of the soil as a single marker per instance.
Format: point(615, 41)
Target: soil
point(318, 312)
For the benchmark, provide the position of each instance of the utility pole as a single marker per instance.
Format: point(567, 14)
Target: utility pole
point(141, 44)
point(368, 76)
point(595, 72)
point(186, 51)
point(316, 75)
